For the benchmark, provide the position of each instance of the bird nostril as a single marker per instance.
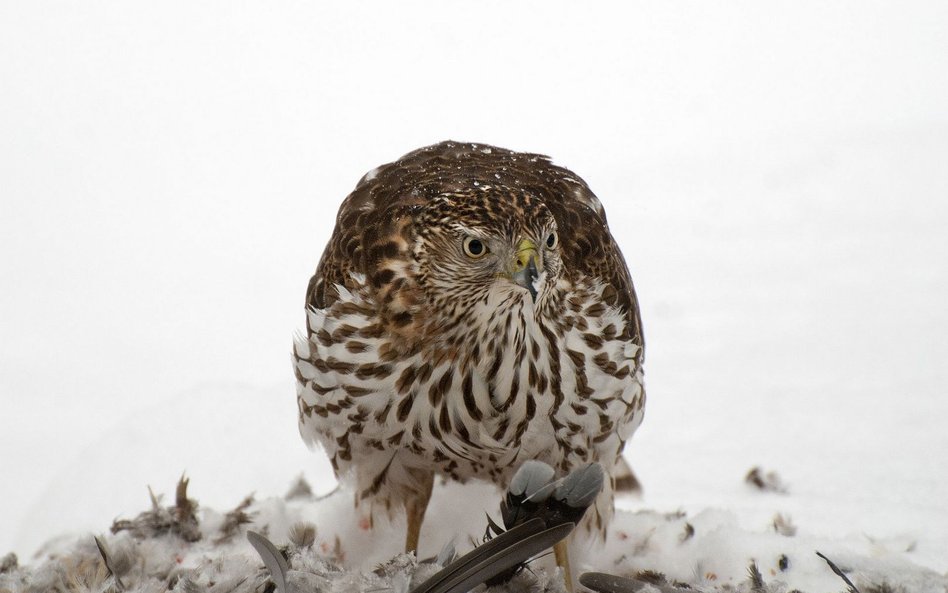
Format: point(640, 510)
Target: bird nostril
point(524, 259)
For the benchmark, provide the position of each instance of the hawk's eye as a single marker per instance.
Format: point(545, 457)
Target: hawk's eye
point(552, 240)
point(474, 247)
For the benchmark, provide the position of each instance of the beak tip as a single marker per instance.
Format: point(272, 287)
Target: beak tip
point(533, 293)
point(532, 276)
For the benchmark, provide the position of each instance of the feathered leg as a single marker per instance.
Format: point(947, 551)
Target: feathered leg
point(415, 508)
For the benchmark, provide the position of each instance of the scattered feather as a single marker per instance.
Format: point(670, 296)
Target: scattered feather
point(180, 520)
point(234, 519)
point(303, 534)
point(756, 579)
point(687, 534)
point(851, 587)
point(783, 563)
point(609, 583)
point(784, 525)
point(272, 559)
point(8, 563)
point(883, 587)
point(398, 564)
point(108, 564)
point(299, 489)
point(767, 482)
point(652, 577)
point(447, 554)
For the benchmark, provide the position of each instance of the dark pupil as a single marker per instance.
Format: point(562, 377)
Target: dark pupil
point(475, 247)
point(550, 240)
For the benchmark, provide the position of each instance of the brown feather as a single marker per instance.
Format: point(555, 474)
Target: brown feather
point(383, 204)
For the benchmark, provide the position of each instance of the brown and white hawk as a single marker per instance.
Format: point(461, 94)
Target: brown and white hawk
point(472, 311)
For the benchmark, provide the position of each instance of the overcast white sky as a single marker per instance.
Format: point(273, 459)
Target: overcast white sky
point(169, 174)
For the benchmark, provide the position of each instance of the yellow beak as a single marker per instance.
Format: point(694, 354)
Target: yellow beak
point(523, 268)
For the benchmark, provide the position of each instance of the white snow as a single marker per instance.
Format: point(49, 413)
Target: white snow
point(708, 550)
point(775, 173)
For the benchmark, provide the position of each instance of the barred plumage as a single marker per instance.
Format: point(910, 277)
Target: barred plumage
point(471, 312)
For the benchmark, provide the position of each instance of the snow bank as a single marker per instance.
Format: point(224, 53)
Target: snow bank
point(329, 547)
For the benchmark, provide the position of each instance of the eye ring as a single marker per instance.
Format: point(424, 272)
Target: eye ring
point(552, 240)
point(474, 248)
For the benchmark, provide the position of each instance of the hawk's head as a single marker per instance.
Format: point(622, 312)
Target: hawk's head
point(488, 247)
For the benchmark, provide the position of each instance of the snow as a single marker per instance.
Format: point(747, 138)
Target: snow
point(331, 545)
point(775, 174)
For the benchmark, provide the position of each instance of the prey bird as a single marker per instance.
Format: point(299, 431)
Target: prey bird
point(471, 312)
point(537, 513)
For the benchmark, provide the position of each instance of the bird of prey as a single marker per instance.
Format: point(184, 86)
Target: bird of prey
point(471, 312)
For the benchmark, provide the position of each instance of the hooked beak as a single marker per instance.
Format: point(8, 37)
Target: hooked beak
point(523, 268)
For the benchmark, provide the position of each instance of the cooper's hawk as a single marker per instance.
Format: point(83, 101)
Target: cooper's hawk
point(471, 312)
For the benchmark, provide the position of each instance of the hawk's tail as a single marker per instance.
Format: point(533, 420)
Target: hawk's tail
point(625, 480)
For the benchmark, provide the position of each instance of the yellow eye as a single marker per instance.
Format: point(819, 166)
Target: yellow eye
point(474, 248)
point(553, 240)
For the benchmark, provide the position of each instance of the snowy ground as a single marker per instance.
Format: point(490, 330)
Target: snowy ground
point(777, 176)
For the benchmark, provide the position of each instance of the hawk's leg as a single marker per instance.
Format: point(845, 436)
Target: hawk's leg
point(561, 553)
point(415, 508)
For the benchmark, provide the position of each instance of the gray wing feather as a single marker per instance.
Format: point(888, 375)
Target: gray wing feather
point(580, 488)
point(499, 554)
point(272, 559)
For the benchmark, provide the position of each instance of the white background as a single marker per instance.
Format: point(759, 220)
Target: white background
point(776, 174)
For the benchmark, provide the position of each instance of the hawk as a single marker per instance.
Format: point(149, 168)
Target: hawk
point(471, 312)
